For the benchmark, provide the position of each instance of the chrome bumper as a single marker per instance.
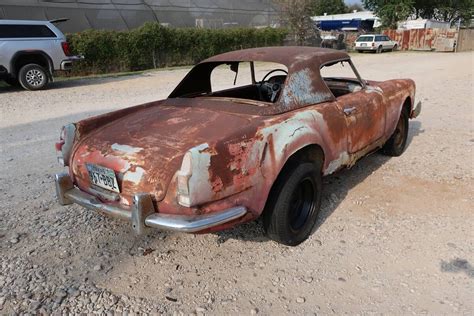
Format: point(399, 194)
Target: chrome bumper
point(67, 63)
point(142, 213)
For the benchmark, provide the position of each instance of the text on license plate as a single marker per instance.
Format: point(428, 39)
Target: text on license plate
point(103, 177)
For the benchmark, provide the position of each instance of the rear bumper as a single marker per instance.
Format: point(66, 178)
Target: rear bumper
point(67, 63)
point(365, 48)
point(142, 214)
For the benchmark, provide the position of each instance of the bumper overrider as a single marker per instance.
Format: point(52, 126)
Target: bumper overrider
point(142, 214)
point(416, 111)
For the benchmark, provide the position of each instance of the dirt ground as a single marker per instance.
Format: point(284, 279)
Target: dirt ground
point(395, 235)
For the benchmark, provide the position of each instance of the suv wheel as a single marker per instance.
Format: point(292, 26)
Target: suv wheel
point(293, 205)
point(379, 50)
point(33, 77)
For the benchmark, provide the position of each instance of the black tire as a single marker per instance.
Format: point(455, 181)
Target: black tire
point(294, 203)
point(395, 146)
point(379, 50)
point(12, 82)
point(394, 49)
point(33, 77)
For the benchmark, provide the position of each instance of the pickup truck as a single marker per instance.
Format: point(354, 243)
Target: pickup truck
point(30, 52)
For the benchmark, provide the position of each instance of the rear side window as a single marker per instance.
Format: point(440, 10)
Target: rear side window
point(365, 39)
point(379, 38)
point(25, 31)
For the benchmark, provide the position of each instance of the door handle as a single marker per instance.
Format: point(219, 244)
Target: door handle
point(349, 111)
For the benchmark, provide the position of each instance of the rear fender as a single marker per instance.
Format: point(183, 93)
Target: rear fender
point(242, 171)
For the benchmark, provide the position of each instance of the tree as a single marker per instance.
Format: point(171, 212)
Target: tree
point(455, 10)
point(354, 7)
point(425, 8)
point(390, 11)
point(319, 7)
point(296, 14)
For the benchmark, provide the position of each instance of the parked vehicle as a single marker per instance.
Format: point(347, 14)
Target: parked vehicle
point(210, 157)
point(377, 43)
point(30, 51)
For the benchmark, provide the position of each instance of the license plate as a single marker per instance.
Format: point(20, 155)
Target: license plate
point(363, 44)
point(103, 177)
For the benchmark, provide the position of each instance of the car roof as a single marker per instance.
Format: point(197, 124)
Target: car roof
point(25, 22)
point(287, 55)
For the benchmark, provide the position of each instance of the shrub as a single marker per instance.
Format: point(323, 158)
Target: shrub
point(153, 46)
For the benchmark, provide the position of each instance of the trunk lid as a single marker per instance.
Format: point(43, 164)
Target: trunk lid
point(145, 148)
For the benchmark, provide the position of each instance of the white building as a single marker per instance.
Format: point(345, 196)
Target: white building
point(423, 24)
point(348, 19)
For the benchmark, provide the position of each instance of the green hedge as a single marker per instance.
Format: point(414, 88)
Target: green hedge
point(153, 46)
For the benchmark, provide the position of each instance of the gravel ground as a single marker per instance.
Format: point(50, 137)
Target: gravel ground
point(395, 235)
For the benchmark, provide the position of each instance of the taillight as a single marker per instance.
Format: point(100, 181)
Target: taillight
point(184, 174)
point(66, 49)
point(373, 44)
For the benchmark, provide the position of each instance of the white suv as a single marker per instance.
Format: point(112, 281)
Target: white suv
point(375, 43)
point(30, 51)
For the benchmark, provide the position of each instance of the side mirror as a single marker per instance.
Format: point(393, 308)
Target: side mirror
point(235, 68)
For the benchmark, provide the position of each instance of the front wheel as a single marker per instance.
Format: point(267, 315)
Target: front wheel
point(395, 146)
point(12, 82)
point(294, 203)
point(33, 77)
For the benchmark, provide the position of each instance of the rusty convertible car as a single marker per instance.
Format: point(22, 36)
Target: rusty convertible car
point(206, 159)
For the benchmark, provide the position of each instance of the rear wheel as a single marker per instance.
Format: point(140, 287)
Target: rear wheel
point(396, 144)
point(294, 202)
point(379, 50)
point(33, 77)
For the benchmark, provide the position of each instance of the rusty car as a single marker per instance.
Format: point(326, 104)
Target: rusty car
point(207, 159)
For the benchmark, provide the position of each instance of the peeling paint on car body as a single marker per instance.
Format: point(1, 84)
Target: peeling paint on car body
point(237, 149)
point(126, 149)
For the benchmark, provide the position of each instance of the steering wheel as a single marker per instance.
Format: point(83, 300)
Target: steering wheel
point(272, 88)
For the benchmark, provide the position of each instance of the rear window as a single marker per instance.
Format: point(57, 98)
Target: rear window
point(25, 31)
point(365, 39)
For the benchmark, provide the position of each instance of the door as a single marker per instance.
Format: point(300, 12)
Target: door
point(361, 105)
point(388, 43)
point(365, 118)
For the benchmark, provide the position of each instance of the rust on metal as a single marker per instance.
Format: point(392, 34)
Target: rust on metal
point(237, 149)
point(425, 39)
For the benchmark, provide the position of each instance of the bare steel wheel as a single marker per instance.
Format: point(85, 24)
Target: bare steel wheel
point(33, 77)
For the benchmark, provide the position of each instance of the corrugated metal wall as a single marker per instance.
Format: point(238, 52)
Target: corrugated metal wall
point(126, 14)
point(424, 39)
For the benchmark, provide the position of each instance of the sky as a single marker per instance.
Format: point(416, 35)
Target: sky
point(353, 1)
